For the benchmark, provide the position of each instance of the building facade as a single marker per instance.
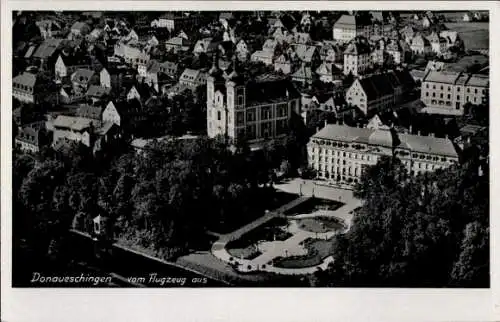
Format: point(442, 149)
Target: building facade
point(340, 153)
point(357, 57)
point(447, 92)
point(252, 111)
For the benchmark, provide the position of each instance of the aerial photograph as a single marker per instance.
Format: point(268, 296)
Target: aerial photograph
point(174, 149)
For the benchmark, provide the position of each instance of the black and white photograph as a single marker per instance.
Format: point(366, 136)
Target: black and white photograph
point(326, 149)
point(250, 148)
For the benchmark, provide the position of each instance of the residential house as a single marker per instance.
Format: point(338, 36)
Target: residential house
point(265, 57)
point(408, 32)
point(285, 64)
point(112, 77)
point(193, 78)
point(379, 92)
point(154, 77)
point(452, 38)
point(395, 50)
point(46, 53)
point(79, 29)
point(242, 50)
point(349, 27)
point(330, 52)
point(446, 92)
point(91, 112)
point(357, 59)
point(308, 55)
point(304, 74)
point(132, 55)
point(69, 93)
point(31, 137)
point(97, 93)
point(27, 88)
point(439, 45)
point(302, 38)
point(169, 68)
point(140, 92)
point(82, 78)
point(206, 46)
point(420, 45)
point(68, 64)
point(177, 44)
point(329, 73)
point(436, 65)
point(176, 20)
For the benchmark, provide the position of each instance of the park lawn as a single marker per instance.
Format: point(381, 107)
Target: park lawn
point(274, 229)
point(319, 224)
point(318, 249)
point(249, 252)
point(253, 212)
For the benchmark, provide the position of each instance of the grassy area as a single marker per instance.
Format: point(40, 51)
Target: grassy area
point(315, 204)
point(254, 211)
point(272, 230)
point(474, 34)
point(249, 252)
point(320, 224)
point(317, 251)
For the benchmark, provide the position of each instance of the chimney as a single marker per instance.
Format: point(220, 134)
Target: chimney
point(317, 129)
point(446, 136)
point(326, 123)
point(410, 129)
point(418, 132)
point(431, 134)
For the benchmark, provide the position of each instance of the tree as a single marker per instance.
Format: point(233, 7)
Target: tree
point(407, 231)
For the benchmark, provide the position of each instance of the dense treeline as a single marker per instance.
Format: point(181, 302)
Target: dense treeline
point(162, 199)
point(428, 231)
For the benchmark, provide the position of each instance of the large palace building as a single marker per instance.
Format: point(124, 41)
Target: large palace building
point(254, 111)
point(339, 153)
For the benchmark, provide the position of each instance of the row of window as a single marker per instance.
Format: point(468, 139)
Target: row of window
point(458, 88)
point(22, 87)
point(349, 155)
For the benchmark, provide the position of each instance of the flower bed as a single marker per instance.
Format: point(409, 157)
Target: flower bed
point(317, 249)
point(313, 205)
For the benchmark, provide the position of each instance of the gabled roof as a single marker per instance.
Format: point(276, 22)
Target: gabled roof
point(48, 48)
point(89, 112)
point(79, 25)
point(75, 60)
point(191, 74)
point(303, 72)
point(178, 41)
point(445, 77)
point(98, 91)
point(387, 138)
point(82, 74)
point(305, 52)
point(269, 88)
point(377, 85)
point(73, 122)
point(358, 46)
point(26, 79)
